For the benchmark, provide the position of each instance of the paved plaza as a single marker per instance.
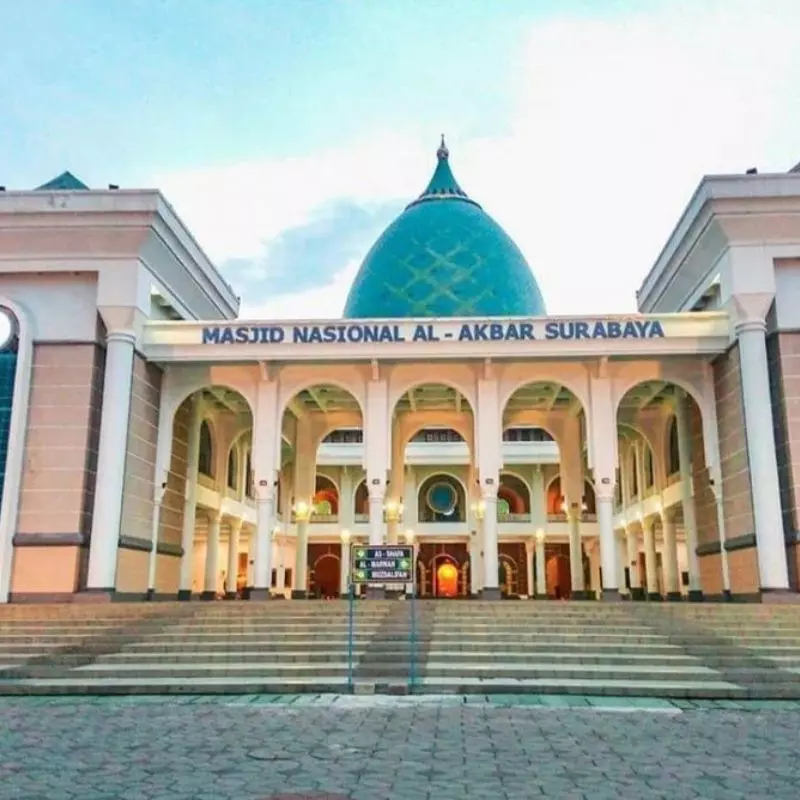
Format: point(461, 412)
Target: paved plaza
point(385, 748)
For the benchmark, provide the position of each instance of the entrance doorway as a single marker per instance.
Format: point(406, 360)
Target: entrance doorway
point(446, 580)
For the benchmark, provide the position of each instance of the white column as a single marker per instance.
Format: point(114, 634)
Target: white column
point(112, 451)
point(621, 548)
point(491, 564)
point(687, 495)
point(233, 557)
point(376, 524)
point(475, 564)
point(575, 552)
point(530, 548)
point(541, 568)
point(604, 496)
point(772, 566)
point(595, 569)
point(280, 543)
point(265, 519)
point(344, 567)
point(251, 558)
point(650, 567)
point(300, 590)
point(672, 584)
point(190, 502)
point(632, 549)
point(212, 558)
point(346, 501)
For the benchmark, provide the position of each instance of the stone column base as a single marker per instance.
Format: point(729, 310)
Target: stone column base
point(637, 593)
point(776, 596)
point(230, 595)
point(611, 596)
point(95, 596)
point(259, 595)
point(674, 597)
point(207, 595)
point(297, 594)
point(184, 595)
point(376, 593)
point(579, 594)
point(491, 593)
point(654, 597)
point(695, 596)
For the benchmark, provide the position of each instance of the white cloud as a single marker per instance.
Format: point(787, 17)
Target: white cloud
point(321, 302)
point(615, 122)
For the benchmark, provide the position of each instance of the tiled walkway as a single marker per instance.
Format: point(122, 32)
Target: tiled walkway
point(406, 748)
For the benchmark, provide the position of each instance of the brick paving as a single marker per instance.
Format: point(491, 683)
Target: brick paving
point(362, 748)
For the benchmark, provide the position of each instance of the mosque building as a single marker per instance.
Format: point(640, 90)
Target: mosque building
point(154, 445)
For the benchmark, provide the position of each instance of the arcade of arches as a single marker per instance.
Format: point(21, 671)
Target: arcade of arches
point(537, 531)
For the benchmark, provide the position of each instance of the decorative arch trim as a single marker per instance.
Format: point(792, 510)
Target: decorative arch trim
point(18, 424)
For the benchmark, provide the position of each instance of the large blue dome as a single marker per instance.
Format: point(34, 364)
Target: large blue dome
point(444, 256)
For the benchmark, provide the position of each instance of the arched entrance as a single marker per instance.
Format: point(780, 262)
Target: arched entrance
point(324, 576)
point(508, 576)
point(446, 579)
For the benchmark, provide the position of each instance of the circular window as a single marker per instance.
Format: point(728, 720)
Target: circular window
point(442, 498)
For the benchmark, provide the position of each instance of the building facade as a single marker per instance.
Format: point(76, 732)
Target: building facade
point(154, 445)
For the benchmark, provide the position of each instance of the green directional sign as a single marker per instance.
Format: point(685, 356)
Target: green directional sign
point(385, 564)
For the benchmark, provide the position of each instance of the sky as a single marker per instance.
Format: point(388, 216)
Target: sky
point(288, 133)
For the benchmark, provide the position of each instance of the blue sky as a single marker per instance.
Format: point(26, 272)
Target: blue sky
point(288, 134)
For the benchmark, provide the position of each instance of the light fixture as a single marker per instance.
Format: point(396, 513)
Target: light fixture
point(478, 508)
point(302, 511)
point(540, 535)
point(409, 536)
point(393, 510)
point(345, 535)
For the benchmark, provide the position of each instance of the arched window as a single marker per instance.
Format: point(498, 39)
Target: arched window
point(248, 475)
point(673, 457)
point(649, 474)
point(205, 458)
point(233, 471)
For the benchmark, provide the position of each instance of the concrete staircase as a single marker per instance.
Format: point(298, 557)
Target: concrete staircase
point(640, 649)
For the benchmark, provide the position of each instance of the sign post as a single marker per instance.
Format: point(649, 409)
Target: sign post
point(382, 564)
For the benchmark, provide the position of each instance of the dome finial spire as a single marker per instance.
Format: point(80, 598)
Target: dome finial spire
point(442, 153)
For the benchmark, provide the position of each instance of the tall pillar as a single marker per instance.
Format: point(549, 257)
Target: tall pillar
point(622, 552)
point(280, 569)
point(266, 464)
point(377, 526)
point(530, 550)
point(251, 558)
point(650, 563)
point(300, 591)
point(594, 559)
point(491, 559)
point(672, 584)
point(687, 495)
point(265, 517)
point(609, 558)
point(576, 554)
point(190, 502)
point(212, 558)
point(723, 550)
point(344, 565)
point(346, 501)
point(632, 549)
point(111, 455)
point(541, 567)
point(232, 573)
point(767, 515)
